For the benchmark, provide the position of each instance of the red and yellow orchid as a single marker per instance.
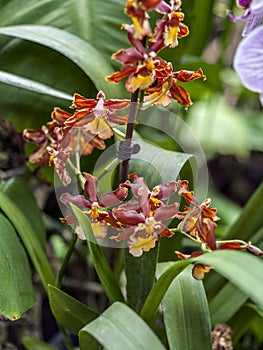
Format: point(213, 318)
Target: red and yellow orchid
point(94, 207)
point(145, 71)
point(143, 216)
point(198, 219)
point(97, 115)
point(56, 142)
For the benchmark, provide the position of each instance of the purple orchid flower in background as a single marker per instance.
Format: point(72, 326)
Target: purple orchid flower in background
point(253, 14)
point(248, 61)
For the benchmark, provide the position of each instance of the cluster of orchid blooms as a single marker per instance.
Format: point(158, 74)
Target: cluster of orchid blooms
point(139, 221)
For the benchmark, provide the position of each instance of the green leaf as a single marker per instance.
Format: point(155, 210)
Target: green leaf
point(69, 312)
point(18, 190)
point(118, 328)
point(33, 344)
point(140, 276)
point(93, 64)
point(29, 239)
point(258, 309)
point(226, 303)
point(89, 20)
point(247, 226)
point(101, 265)
point(157, 165)
point(242, 269)
point(250, 219)
point(160, 287)
point(186, 314)
point(17, 294)
point(28, 84)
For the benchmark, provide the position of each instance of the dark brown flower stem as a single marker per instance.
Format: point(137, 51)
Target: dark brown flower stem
point(129, 132)
point(64, 264)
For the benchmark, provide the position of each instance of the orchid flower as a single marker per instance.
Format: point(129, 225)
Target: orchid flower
point(56, 142)
point(94, 207)
point(198, 219)
point(143, 216)
point(253, 14)
point(97, 115)
point(248, 61)
point(199, 270)
point(170, 28)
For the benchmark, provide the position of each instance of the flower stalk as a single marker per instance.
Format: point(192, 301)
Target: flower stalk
point(65, 261)
point(129, 133)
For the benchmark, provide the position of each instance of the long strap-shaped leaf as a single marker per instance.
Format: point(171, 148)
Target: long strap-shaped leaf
point(226, 303)
point(119, 328)
point(69, 312)
point(34, 344)
point(250, 219)
point(82, 53)
point(25, 231)
point(186, 314)
point(15, 274)
point(101, 265)
point(240, 268)
point(160, 288)
point(28, 84)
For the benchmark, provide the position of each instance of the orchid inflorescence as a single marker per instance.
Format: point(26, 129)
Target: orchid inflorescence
point(139, 221)
point(142, 67)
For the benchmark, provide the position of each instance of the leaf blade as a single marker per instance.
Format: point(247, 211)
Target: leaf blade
point(25, 231)
point(31, 85)
point(226, 303)
point(118, 328)
point(101, 265)
point(95, 65)
point(69, 312)
point(34, 344)
point(186, 314)
point(160, 287)
point(16, 291)
point(18, 190)
point(241, 269)
point(250, 219)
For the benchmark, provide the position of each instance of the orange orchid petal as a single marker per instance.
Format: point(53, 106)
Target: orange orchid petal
point(186, 75)
point(81, 102)
point(116, 104)
point(180, 95)
point(60, 116)
point(183, 30)
point(118, 119)
point(124, 72)
point(80, 118)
